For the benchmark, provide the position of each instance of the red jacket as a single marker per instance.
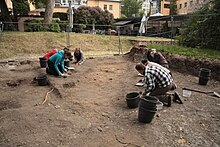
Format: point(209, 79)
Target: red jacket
point(48, 55)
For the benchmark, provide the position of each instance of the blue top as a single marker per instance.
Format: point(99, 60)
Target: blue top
point(58, 58)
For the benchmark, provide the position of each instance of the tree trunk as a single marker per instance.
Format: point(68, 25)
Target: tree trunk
point(4, 11)
point(49, 12)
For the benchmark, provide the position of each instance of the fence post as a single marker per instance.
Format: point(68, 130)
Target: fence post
point(172, 30)
point(70, 25)
point(119, 41)
point(1, 30)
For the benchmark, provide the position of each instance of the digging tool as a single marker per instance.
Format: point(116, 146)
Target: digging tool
point(212, 93)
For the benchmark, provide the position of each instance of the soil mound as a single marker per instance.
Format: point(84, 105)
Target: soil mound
point(179, 63)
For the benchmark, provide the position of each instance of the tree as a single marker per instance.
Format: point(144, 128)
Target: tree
point(89, 15)
point(4, 11)
point(20, 7)
point(49, 12)
point(39, 3)
point(173, 7)
point(131, 8)
point(202, 27)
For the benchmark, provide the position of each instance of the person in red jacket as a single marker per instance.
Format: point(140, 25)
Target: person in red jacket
point(49, 54)
point(54, 51)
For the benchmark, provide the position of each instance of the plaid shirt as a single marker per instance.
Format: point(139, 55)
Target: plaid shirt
point(156, 77)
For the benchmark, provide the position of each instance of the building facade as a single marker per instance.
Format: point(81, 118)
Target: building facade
point(113, 6)
point(165, 7)
point(189, 6)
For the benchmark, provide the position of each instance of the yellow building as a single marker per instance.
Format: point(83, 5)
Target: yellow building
point(165, 7)
point(189, 6)
point(113, 6)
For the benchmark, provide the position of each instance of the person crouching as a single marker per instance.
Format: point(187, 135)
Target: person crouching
point(56, 63)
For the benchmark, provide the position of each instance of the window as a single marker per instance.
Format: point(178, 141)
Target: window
point(180, 6)
point(166, 6)
point(105, 7)
point(110, 7)
point(185, 4)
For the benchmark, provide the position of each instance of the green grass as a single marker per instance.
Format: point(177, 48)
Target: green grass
point(38, 43)
point(192, 52)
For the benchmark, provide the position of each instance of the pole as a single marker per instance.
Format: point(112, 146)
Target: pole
point(171, 30)
point(70, 25)
point(1, 30)
point(119, 41)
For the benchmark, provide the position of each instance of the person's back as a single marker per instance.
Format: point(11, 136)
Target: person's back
point(159, 77)
point(149, 63)
point(49, 54)
point(157, 57)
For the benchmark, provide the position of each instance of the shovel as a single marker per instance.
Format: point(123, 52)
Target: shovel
point(212, 93)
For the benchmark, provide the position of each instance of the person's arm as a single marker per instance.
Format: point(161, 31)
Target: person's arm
point(57, 61)
point(162, 60)
point(62, 65)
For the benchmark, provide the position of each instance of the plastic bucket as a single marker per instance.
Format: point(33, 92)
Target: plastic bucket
point(145, 115)
point(43, 62)
point(204, 72)
point(149, 102)
point(203, 80)
point(42, 80)
point(204, 76)
point(132, 99)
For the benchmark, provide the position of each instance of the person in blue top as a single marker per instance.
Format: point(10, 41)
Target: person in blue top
point(56, 63)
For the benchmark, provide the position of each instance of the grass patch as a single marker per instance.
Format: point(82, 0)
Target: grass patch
point(38, 43)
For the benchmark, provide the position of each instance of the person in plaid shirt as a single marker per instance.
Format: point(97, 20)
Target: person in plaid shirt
point(158, 82)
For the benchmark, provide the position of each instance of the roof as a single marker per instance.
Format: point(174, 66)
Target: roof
point(121, 23)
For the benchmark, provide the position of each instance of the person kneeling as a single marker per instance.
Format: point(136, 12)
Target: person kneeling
point(56, 63)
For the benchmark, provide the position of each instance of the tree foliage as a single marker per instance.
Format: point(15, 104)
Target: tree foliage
point(20, 7)
point(173, 7)
point(89, 15)
point(131, 8)
point(39, 3)
point(202, 27)
point(4, 11)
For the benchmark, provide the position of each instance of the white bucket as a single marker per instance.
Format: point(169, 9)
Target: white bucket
point(186, 93)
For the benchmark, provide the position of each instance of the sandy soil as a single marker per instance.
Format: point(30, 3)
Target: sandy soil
point(89, 108)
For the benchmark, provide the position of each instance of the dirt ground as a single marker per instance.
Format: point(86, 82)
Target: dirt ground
point(89, 108)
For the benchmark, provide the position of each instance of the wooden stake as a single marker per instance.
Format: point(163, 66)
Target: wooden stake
point(46, 97)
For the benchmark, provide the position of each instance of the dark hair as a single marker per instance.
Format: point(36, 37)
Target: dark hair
point(66, 49)
point(144, 61)
point(140, 66)
point(68, 53)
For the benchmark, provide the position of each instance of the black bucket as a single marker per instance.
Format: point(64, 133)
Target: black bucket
point(203, 80)
point(204, 76)
point(42, 80)
point(67, 63)
point(43, 62)
point(148, 102)
point(204, 72)
point(147, 108)
point(145, 115)
point(132, 99)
